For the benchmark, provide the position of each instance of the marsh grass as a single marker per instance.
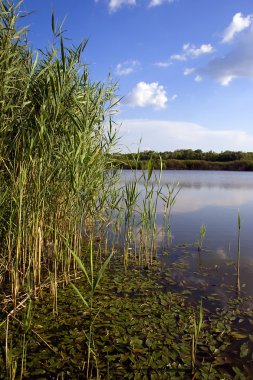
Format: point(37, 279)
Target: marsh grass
point(197, 326)
point(56, 131)
point(59, 186)
point(92, 279)
point(135, 205)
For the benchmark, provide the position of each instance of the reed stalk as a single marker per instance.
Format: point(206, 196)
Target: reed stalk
point(197, 325)
point(238, 282)
point(202, 234)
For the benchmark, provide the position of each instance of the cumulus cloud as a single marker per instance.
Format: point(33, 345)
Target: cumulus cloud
point(237, 25)
point(161, 135)
point(192, 51)
point(114, 5)
point(155, 3)
point(148, 94)
point(127, 67)
point(237, 63)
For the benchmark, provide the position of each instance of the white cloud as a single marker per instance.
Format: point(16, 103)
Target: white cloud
point(174, 97)
point(161, 135)
point(238, 24)
point(191, 51)
point(155, 3)
point(148, 94)
point(162, 64)
point(238, 63)
point(226, 79)
point(178, 57)
point(127, 67)
point(189, 71)
point(198, 78)
point(114, 5)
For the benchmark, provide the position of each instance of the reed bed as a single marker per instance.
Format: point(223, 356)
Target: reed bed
point(56, 133)
point(132, 211)
point(62, 206)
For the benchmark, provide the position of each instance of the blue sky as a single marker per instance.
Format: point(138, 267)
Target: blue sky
point(184, 67)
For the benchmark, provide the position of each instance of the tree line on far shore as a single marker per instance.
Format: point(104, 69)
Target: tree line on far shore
point(187, 159)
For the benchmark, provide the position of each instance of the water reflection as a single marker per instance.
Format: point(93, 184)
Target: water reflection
point(211, 198)
point(192, 199)
point(204, 188)
point(202, 178)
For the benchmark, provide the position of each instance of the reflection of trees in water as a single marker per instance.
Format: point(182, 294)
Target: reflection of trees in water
point(210, 185)
point(200, 179)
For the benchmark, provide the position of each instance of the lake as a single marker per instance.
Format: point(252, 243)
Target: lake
point(211, 198)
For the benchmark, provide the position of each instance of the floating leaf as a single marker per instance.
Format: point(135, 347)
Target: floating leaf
point(238, 335)
point(244, 350)
point(239, 374)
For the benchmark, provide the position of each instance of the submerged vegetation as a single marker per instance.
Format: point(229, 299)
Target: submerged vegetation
point(83, 292)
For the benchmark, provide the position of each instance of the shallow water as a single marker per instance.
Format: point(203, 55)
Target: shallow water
point(212, 198)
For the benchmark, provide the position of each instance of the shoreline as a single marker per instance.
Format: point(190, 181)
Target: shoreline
point(173, 164)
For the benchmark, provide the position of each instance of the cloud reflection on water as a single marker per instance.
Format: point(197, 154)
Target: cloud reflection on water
point(200, 189)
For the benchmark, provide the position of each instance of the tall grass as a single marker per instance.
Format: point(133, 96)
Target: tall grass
point(55, 135)
point(58, 189)
point(136, 204)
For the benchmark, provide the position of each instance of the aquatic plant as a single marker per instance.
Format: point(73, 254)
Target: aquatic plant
point(202, 234)
point(140, 329)
point(197, 325)
point(93, 281)
point(56, 132)
point(136, 216)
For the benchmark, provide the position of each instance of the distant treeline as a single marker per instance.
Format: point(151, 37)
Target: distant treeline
point(187, 159)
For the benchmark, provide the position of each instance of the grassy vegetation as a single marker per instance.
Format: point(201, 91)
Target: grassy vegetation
point(55, 135)
point(82, 292)
point(56, 132)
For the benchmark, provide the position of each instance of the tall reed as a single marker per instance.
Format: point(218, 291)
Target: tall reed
point(197, 326)
point(135, 205)
point(238, 282)
point(56, 131)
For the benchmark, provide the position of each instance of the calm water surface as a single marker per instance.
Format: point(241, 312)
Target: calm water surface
point(212, 198)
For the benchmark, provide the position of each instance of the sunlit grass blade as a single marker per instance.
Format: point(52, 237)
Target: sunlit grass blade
point(80, 295)
point(102, 271)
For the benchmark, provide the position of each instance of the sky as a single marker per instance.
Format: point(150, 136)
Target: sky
point(184, 68)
